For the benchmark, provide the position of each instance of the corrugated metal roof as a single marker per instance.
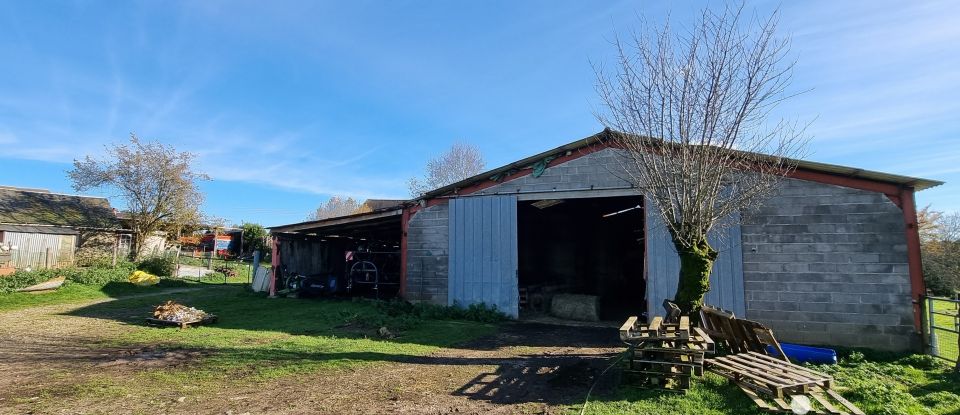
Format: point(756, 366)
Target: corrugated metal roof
point(381, 204)
point(27, 207)
point(48, 230)
point(339, 220)
point(603, 136)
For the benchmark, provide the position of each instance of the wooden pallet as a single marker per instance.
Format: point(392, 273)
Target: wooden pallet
point(665, 355)
point(210, 319)
point(827, 401)
point(768, 375)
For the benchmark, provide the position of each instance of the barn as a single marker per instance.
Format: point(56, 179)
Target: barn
point(832, 258)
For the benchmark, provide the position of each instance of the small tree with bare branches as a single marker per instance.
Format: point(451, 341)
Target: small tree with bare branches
point(462, 161)
point(691, 111)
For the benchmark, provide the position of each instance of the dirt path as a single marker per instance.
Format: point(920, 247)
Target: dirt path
point(45, 345)
point(524, 368)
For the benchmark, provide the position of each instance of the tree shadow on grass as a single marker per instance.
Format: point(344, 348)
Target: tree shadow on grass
point(562, 363)
point(239, 309)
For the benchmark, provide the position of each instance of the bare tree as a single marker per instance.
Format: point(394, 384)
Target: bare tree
point(338, 206)
point(940, 250)
point(929, 224)
point(157, 184)
point(691, 111)
point(460, 162)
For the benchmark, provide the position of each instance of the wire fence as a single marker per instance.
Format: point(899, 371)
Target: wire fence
point(943, 327)
point(209, 267)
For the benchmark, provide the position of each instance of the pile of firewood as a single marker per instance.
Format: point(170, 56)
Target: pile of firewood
point(173, 311)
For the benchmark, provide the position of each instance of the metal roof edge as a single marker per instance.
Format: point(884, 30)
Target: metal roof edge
point(338, 220)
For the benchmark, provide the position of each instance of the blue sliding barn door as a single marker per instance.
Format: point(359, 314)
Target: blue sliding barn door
point(663, 266)
point(483, 252)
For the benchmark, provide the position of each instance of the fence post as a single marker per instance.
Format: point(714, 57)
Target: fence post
point(256, 264)
point(931, 332)
point(46, 258)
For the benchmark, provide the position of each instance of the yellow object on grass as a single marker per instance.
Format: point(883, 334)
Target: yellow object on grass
point(143, 278)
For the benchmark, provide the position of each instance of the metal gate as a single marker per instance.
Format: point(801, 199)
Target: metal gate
point(943, 328)
point(483, 252)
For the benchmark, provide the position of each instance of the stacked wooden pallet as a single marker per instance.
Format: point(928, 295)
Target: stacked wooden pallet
point(665, 355)
point(773, 383)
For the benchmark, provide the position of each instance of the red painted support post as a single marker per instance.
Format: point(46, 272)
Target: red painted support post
point(274, 263)
point(914, 264)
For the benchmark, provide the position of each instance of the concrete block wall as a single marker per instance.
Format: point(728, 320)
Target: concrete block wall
point(427, 254)
point(826, 264)
point(601, 170)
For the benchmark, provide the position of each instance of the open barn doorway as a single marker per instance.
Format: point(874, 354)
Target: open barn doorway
point(592, 248)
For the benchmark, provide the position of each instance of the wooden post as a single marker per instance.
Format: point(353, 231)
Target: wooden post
point(274, 263)
point(46, 259)
point(116, 250)
point(177, 259)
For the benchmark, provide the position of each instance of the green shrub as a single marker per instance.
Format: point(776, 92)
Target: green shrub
point(21, 279)
point(85, 276)
point(158, 265)
point(475, 312)
point(100, 276)
point(922, 362)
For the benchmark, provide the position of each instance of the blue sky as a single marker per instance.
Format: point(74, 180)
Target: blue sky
point(289, 102)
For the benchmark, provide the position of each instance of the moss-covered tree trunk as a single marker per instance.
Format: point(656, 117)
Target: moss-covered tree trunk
point(696, 262)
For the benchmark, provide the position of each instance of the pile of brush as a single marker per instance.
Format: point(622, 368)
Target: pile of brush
point(173, 311)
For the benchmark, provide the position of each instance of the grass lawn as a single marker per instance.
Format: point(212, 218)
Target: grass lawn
point(262, 338)
point(878, 383)
point(256, 341)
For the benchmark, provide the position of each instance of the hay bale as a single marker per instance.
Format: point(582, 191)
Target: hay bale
point(575, 307)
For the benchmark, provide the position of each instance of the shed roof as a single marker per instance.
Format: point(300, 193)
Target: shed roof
point(603, 137)
point(380, 204)
point(32, 207)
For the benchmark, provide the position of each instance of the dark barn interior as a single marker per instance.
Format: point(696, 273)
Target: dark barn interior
point(349, 256)
point(583, 246)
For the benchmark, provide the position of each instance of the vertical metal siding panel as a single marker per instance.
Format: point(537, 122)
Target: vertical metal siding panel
point(461, 291)
point(726, 280)
point(497, 259)
point(454, 258)
point(483, 256)
point(736, 268)
point(487, 226)
point(468, 252)
point(663, 273)
point(510, 267)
